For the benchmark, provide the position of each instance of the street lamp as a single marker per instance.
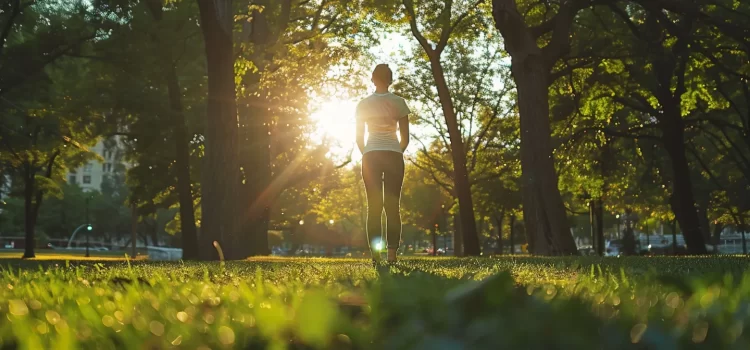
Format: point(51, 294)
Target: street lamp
point(302, 222)
point(330, 221)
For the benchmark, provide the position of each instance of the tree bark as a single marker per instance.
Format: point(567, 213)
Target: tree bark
point(547, 228)
point(220, 175)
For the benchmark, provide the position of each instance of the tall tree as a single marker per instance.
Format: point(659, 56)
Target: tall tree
point(433, 24)
point(180, 137)
point(535, 42)
point(221, 171)
point(40, 129)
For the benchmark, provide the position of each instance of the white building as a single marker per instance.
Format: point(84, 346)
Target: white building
point(91, 175)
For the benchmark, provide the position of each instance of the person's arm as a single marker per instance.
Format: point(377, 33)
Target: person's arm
point(360, 138)
point(403, 127)
point(361, 135)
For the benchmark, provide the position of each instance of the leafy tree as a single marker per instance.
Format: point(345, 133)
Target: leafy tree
point(153, 59)
point(41, 128)
point(537, 36)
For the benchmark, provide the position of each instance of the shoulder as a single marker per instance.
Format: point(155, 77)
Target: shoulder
point(397, 97)
point(400, 100)
point(364, 101)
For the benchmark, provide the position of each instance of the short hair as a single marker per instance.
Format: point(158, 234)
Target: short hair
point(383, 73)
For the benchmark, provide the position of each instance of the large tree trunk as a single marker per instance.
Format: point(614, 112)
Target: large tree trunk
point(543, 209)
point(255, 160)
point(548, 231)
point(258, 192)
point(462, 186)
point(220, 175)
point(682, 199)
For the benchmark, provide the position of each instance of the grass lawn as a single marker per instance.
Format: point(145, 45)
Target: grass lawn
point(418, 303)
point(63, 255)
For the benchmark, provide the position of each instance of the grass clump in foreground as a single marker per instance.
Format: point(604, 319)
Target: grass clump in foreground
point(424, 303)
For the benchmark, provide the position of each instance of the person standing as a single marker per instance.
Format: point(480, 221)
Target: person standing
point(383, 115)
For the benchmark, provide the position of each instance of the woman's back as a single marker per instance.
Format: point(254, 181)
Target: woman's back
point(381, 113)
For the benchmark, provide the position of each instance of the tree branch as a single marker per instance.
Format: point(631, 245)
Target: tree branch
point(412, 16)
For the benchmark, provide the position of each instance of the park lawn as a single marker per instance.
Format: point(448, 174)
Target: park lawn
point(418, 303)
point(63, 255)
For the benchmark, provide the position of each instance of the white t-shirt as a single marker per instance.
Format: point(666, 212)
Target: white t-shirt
point(381, 113)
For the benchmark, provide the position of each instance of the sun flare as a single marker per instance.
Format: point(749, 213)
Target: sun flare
point(335, 125)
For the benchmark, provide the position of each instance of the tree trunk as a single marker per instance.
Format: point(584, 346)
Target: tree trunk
point(134, 229)
point(32, 203)
point(674, 236)
point(743, 228)
point(155, 233)
point(628, 243)
point(512, 234)
point(182, 163)
point(701, 205)
point(220, 175)
point(716, 236)
point(29, 220)
point(499, 222)
point(434, 241)
point(461, 174)
point(458, 242)
point(682, 199)
point(256, 191)
point(182, 147)
point(599, 219)
point(548, 231)
point(543, 210)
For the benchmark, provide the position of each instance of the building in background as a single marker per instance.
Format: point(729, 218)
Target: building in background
point(91, 175)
